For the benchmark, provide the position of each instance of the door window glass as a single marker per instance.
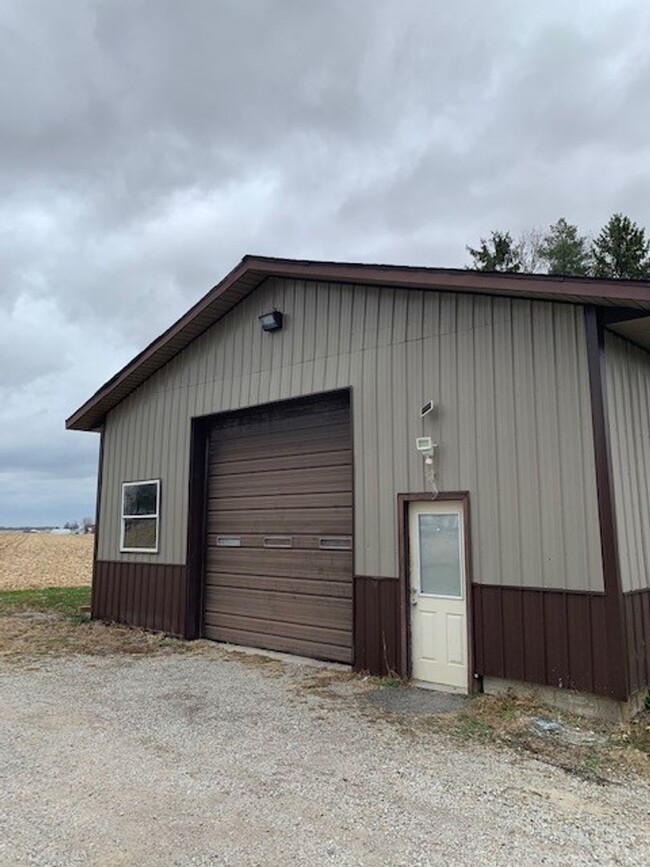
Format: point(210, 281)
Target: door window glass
point(440, 563)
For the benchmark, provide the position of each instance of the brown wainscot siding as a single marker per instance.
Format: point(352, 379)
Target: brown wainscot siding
point(377, 626)
point(637, 627)
point(151, 595)
point(550, 637)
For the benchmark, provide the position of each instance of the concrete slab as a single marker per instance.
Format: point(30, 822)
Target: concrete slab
point(411, 700)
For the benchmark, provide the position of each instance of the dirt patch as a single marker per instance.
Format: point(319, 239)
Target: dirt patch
point(27, 635)
point(596, 752)
point(44, 560)
point(24, 635)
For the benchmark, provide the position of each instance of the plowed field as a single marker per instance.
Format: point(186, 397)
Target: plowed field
point(44, 560)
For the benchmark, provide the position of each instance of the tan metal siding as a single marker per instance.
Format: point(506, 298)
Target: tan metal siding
point(513, 418)
point(628, 397)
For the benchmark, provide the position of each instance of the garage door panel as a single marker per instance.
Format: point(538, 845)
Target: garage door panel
point(281, 501)
point(281, 562)
point(280, 485)
point(319, 587)
point(273, 461)
point(286, 482)
point(319, 634)
point(285, 607)
point(283, 433)
point(284, 644)
point(308, 521)
point(230, 447)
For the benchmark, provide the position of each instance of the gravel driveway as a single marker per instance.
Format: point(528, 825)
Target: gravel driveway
point(204, 760)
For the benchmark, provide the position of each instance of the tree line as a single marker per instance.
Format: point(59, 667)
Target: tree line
point(620, 250)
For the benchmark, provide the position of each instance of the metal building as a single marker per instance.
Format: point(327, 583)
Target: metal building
point(268, 465)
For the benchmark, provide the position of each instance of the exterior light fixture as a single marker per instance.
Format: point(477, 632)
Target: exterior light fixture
point(271, 321)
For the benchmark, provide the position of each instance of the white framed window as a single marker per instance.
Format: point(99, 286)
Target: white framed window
point(140, 516)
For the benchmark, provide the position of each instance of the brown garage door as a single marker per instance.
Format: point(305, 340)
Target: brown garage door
point(279, 529)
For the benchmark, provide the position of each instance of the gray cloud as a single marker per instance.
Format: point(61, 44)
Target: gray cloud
point(147, 145)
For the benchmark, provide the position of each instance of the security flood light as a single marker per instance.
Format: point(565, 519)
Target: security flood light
point(271, 321)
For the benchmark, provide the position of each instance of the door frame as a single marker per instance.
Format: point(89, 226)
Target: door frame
point(403, 503)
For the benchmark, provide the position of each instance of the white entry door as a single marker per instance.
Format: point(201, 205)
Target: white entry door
point(438, 603)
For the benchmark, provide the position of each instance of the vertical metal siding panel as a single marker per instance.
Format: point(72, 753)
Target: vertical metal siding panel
point(356, 379)
point(556, 639)
point(628, 388)
point(401, 423)
point(345, 320)
point(590, 497)
point(528, 488)
point(626, 521)
point(534, 638)
point(493, 650)
point(549, 446)
point(580, 657)
point(513, 634)
point(634, 514)
point(108, 460)
point(486, 497)
point(331, 349)
point(465, 398)
point(182, 481)
point(631, 641)
point(416, 386)
point(506, 443)
point(641, 414)
point(449, 392)
point(575, 565)
point(414, 315)
point(384, 473)
point(368, 457)
point(600, 664)
point(222, 359)
point(297, 336)
point(358, 319)
point(322, 313)
point(360, 629)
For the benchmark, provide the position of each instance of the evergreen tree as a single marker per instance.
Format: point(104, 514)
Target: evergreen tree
point(565, 251)
point(498, 253)
point(621, 250)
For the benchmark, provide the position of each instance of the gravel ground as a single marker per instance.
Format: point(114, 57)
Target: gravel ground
point(198, 760)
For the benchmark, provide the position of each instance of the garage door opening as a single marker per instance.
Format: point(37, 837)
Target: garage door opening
point(279, 548)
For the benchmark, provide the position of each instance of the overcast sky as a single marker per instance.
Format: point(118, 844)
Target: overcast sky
point(146, 145)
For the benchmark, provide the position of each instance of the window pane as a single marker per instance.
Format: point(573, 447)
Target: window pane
point(140, 532)
point(440, 566)
point(140, 499)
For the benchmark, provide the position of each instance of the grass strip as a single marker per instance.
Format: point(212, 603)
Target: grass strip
point(63, 600)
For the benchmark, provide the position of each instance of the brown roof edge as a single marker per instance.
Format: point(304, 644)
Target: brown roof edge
point(252, 270)
point(423, 276)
